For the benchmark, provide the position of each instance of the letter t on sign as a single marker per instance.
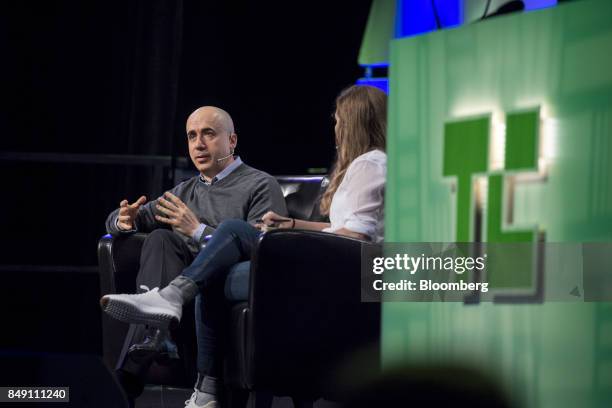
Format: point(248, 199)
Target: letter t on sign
point(466, 147)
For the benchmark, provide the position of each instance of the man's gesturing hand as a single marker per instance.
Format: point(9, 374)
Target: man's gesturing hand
point(177, 214)
point(127, 213)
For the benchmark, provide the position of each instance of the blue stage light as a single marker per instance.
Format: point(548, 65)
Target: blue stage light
point(381, 83)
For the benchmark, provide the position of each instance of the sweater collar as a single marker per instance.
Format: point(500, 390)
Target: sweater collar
point(223, 173)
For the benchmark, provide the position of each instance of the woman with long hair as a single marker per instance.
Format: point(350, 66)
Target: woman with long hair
point(353, 200)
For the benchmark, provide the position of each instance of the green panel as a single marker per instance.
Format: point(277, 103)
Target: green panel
point(378, 33)
point(555, 62)
point(465, 154)
point(494, 215)
point(522, 140)
point(513, 273)
point(466, 145)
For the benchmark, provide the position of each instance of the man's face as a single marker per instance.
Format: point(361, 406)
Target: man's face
point(209, 140)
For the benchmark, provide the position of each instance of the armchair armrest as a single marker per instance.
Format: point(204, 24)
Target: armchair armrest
point(118, 259)
point(305, 310)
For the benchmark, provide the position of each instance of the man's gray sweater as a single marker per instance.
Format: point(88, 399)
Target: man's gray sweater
point(246, 193)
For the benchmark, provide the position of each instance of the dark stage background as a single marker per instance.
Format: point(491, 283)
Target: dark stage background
point(83, 82)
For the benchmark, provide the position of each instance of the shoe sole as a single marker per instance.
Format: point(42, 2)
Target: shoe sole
point(129, 313)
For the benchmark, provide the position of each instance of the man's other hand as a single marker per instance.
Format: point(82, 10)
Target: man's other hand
point(127, 213)
point(177, 214)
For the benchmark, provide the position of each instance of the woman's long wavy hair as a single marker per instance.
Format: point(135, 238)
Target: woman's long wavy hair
point(362, 114)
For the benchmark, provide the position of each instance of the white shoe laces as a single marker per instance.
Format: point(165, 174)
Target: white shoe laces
point(193, 396)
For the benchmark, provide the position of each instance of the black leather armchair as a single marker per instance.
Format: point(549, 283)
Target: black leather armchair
point(303, 318)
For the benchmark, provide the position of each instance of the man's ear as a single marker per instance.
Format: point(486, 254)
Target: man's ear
point(233, 140)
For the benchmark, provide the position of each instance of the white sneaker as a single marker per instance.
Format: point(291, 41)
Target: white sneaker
point(191, 402)
point(144, 308)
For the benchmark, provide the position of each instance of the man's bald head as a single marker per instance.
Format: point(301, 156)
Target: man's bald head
point(211, 140)
point(221, 119)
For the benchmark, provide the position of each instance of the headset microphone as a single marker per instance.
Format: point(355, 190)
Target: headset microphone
point(223, 158)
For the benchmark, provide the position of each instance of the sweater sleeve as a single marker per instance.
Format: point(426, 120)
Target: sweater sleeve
point(267, 196)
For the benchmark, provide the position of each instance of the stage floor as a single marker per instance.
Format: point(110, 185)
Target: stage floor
point(155, 396)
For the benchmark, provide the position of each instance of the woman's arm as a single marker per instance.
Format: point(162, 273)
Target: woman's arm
point(361, 201)
point(273, 219)
point(352, 234)
point(309, 225)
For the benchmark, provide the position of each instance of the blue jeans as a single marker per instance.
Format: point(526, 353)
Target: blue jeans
point(232, 244)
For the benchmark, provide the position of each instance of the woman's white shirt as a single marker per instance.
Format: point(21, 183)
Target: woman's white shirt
point(358, 204)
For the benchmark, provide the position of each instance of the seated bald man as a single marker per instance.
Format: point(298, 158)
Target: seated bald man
point(177, 222)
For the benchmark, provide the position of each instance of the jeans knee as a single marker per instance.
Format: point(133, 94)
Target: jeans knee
point(232, 226)
point(159, 236)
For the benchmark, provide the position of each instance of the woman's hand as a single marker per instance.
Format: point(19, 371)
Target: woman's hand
point(273, 220)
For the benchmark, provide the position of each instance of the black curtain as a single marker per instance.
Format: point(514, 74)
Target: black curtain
point(94, 78)
point(153, 60)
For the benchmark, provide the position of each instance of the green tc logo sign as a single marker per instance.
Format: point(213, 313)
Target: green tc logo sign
point(466, 160)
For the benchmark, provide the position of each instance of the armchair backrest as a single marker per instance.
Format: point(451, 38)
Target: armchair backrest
point(302, 194)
